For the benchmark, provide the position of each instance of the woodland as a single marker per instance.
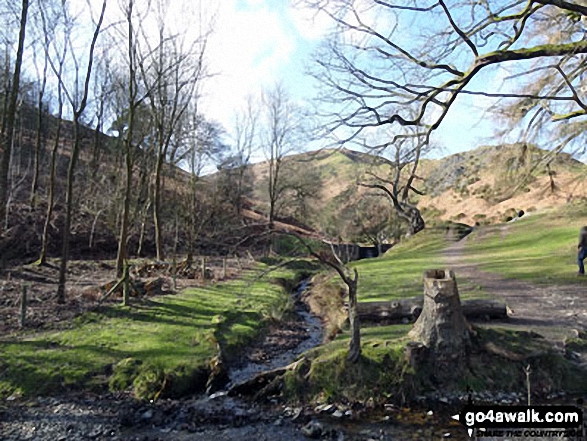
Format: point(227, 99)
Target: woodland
point(162, 275)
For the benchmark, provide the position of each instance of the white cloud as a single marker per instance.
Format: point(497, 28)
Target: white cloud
point(248, 49)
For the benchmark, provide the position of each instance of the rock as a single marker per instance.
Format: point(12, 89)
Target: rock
point(313, 430)
point(324, 408)
point(338, 414)
point(446, 435)
point(429, 413)
point(391, 407)
point(147, 415)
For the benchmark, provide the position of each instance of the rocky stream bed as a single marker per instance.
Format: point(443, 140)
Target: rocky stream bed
point(220, 417)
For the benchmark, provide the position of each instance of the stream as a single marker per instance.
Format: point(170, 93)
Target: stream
point(309, 334)
point(220, 417)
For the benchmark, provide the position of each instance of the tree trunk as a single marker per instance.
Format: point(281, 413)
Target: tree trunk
point(45, 239)
point(38, 139)
point(7, 135)
point(123, 238)
point(416, 224)
point(355, 345)
point(441, 327)
point(68, 211)
point(157, 208)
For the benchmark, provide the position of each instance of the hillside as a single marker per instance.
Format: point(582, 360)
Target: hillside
point(484, 185)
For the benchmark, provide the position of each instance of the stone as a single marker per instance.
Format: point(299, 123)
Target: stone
point(313, 430)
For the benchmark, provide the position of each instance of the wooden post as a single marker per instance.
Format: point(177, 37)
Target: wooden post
point(23, 306)
point(126, 285)
point(224, 267)
point(203, 268)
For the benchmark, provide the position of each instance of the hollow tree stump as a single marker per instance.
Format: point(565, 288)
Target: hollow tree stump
point(441, 327)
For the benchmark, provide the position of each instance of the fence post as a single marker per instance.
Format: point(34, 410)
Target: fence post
point(126, 285)
point(23, 306)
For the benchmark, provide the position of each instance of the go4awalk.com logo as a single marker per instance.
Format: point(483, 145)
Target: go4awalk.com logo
point(523, 421)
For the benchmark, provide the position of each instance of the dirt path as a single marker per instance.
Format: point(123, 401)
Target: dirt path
point(555, 311)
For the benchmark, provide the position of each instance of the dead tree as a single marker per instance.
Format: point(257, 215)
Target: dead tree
point(441, 329)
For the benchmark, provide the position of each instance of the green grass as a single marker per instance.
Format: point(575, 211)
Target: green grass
point(378, 374)
point(170, 334)
point(399, 272)
point(540, 248)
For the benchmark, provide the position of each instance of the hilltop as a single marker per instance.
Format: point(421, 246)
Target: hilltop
point(484, 185)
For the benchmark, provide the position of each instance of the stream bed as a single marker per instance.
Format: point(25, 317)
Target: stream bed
point(220, 417)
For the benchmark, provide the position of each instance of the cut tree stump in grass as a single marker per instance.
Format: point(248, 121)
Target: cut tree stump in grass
point(441, 327)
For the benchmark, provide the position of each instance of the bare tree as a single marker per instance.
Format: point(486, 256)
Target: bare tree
point(399, 184)
point(133, 103)
point(8, 128)
point(78, 107)
point(60, 53)
point(375, 75)
point(245, 143)
point(172, 73)
point(41, 110)
point(350, 279)
point(283, 128)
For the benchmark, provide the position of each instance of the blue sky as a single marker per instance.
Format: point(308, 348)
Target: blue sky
point(259, 42)
point(256, 43)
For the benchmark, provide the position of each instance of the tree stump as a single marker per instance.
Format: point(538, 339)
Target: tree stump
point(442, 327)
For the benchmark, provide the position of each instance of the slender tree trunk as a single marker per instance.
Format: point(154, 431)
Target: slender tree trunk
point(355, 345)
point(128, 146)
point(157, 208)
point(45, 239)
point(68, 211)
point(122, 240)
point(72, 164)
point(7, 135)
point(35, 184)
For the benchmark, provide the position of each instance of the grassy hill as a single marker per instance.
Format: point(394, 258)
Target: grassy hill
point(485, 185)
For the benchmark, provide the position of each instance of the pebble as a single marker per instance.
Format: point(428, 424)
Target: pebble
point(337, 414)
point(313, 429)
point(147, 415)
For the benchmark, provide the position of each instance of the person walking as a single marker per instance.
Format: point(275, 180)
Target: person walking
point(582, 247)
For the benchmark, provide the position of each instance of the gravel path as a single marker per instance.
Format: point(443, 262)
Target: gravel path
point(555, 311)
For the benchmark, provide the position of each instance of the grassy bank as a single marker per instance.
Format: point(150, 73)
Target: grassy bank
point(541, 247)
point(162, 346)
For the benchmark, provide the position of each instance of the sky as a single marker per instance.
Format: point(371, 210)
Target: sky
point(257, 43)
